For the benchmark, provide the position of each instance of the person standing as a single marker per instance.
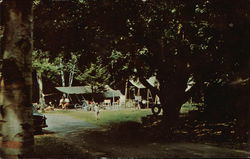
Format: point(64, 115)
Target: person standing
point(66, 104)
point(97, 111)
point(62, 102)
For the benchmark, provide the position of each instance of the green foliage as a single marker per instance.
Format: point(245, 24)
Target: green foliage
point(170, 39)
point(170, 31)
point(41, 63)
point(68, 65)
point(95, 75)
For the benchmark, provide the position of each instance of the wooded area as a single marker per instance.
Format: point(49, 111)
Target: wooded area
point(100, 42)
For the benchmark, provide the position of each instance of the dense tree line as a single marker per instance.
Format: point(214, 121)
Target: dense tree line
point(174, 40)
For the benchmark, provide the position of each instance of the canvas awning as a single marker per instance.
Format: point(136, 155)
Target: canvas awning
point(75, 89)
point(152, 81)
point(137, 84)
point(108, 93)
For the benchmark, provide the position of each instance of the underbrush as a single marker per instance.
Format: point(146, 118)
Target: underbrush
point(187, 129)
point(50, 146)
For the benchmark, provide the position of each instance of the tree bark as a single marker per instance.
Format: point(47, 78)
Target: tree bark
point(41, 94)
point(71, 76)
point(172, 96)
point(62, 77)
point(126, 92)
point(16, 124)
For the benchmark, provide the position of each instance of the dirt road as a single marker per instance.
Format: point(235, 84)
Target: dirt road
point(101, 143)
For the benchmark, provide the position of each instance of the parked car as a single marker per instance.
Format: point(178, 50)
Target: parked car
point(39, 120)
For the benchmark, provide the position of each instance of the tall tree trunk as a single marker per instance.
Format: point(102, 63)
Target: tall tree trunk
point(71, 76)
point(16, 124)
point(62, 77)
point(126, 93)
point(172, 97)
point(41, 94)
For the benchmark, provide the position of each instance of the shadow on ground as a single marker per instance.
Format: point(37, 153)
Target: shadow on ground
point(132, 139)
point(51, 146)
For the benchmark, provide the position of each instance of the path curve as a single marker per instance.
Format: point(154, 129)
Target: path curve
point(63, 124)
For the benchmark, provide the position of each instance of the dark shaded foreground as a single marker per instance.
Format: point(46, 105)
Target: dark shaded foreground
point(77, 139)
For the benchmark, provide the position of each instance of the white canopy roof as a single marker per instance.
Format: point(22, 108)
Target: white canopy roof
point(108, 93)
point(152, 81)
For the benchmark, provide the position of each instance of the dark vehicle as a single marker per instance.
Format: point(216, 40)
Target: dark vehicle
point(39, 121)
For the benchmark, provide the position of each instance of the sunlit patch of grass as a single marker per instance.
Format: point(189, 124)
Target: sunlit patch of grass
point(187, 107)
point(108, 117)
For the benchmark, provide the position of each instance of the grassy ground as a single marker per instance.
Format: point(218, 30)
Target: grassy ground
point(107, 117)
point(53, 146)
point(187, 107)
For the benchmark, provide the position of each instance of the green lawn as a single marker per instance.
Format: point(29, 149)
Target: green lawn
point(53, 146)
point(107, 117)
point(187, 107)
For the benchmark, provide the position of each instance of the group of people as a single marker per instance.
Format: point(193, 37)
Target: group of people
point(64, 102)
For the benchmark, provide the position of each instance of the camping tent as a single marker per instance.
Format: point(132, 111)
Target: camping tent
point(152, 81)
point(86, 92)
point(75, 89)
point(108, 92)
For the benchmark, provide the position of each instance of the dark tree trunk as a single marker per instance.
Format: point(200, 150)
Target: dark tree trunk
point(172, 96)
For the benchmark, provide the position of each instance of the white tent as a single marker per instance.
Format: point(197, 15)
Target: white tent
point(152, 81)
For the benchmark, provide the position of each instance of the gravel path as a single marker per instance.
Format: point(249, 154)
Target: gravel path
point(63, 125)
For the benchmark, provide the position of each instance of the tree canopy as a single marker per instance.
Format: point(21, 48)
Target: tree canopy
point(170, 39)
